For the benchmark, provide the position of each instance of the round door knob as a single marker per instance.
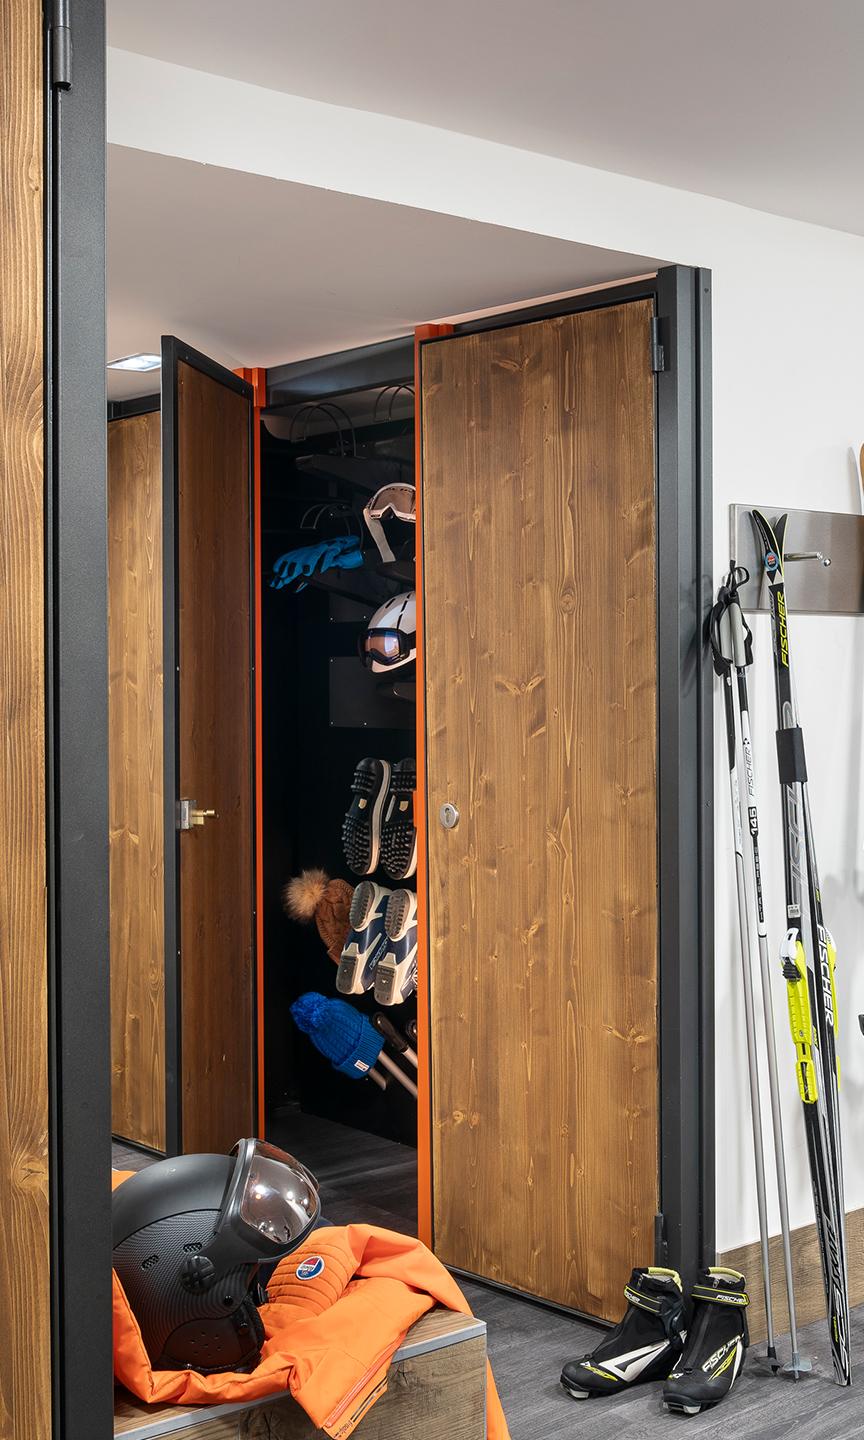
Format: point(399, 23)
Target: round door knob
point(449, 816)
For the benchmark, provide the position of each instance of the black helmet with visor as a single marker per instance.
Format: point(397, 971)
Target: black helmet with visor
point(190, 1235)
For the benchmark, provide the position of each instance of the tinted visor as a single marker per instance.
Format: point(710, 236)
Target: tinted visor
point(275, 1196)
point(385, 647)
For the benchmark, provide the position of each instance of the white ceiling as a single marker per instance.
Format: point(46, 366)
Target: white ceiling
point(755, 101)
point(255, 271)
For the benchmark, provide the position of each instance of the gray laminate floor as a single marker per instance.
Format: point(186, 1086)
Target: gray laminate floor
point(364, 1178)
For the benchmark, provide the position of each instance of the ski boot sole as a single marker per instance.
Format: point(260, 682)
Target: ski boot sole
point(396, 979)
point(579, 1394)
point(354, 962)
point(364, 903)
point(361, 828)
point(398, 833)
point(401, 914)
point(694, 1407)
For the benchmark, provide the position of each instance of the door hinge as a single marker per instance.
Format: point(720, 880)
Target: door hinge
point(661, 1243)
point(658, 349)
point(60, 41)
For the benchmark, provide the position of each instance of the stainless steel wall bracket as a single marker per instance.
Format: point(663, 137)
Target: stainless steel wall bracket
point(831, 583)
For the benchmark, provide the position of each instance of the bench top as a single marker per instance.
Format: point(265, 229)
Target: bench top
point(433, 1331)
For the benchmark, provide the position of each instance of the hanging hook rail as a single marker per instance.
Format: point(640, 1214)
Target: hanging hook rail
point(810, 555)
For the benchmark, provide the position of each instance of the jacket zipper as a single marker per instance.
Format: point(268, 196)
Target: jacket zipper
point(364, 1380)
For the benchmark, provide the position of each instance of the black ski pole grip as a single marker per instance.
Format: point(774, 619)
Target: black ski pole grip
point(386, 1028)
point(725, 635)
point(741, 652)
point(790, 756)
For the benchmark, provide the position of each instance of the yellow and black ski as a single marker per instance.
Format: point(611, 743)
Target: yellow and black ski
point(808, 958)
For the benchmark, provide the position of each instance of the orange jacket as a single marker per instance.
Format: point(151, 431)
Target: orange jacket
point(330, 1337)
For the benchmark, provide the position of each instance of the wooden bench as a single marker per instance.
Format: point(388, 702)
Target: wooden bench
point(436, 1390)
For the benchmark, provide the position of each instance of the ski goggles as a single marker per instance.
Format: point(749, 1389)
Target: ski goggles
point(400, 501)
point(386, 647)
point(269, 1206)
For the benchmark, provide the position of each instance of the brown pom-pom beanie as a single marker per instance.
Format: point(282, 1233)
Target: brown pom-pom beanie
point(313, 895)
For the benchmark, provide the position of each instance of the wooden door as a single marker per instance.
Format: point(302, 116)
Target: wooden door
point(135, 779)
point(541, 693)
point(207, 418)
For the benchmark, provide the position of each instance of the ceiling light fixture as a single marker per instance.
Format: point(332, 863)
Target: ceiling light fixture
point(136, 362)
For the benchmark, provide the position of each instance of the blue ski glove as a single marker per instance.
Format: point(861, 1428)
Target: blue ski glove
point(341, 553)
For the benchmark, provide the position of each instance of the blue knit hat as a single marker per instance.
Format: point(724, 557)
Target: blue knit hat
point(341, 1033)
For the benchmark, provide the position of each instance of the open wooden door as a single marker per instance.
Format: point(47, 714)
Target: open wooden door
point(541, 694)
point(209, 752)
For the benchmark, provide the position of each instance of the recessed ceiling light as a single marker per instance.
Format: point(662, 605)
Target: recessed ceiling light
point(136, 362)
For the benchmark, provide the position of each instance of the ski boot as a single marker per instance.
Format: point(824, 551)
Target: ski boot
point(717, 1345)
point(396, 971)
point(361, 828)
point(398, 835)
point(645, 1345)
point(367, 939)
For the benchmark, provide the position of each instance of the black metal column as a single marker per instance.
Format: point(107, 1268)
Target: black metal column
point(685, 761)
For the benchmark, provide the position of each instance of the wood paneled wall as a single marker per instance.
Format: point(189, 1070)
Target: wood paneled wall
point(806, 1276)
point(136, 779)
point(25, 1339)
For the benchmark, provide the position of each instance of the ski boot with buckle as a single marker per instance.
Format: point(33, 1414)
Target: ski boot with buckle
point(718, 1343)
point(645, 1345)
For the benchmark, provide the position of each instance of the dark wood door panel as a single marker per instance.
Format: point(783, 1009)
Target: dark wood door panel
point(216, 876)
point(540, 626)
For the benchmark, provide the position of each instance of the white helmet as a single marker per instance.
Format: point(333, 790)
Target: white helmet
point(391, 639)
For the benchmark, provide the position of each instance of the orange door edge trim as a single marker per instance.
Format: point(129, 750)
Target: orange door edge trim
point(257, 378)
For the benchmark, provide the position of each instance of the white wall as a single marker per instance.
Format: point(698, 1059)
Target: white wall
point(789, 404)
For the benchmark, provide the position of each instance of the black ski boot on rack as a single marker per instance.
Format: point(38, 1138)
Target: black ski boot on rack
point(717, 1345)
point(644, 1346)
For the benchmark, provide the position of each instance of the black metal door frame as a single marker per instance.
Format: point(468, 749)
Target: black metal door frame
point(681, 296)
point(77, 724)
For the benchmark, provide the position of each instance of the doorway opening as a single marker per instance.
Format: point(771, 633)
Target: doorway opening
point(328, 715)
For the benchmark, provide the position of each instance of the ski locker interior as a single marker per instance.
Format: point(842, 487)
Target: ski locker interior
point(561, 732)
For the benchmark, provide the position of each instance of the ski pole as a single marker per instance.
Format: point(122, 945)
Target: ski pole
point(397, 1074)
point(395, 1039)
point(724, 660)
point(743, 658)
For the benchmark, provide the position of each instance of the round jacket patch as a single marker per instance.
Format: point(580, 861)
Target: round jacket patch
point(309, 1267)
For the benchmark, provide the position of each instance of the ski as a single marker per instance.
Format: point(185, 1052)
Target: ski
point(732, 646)
point(808, 960)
